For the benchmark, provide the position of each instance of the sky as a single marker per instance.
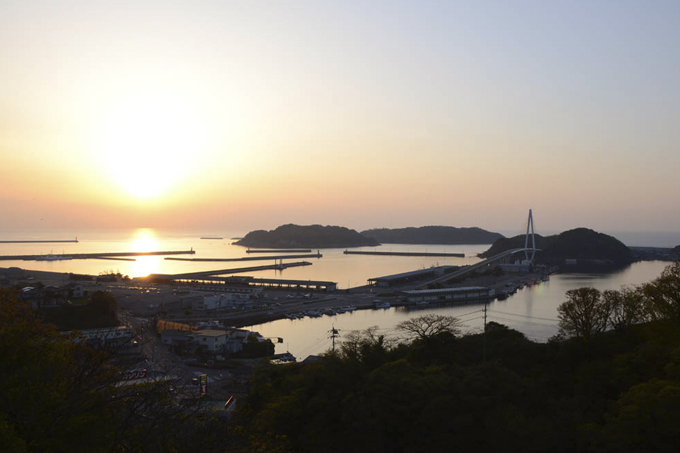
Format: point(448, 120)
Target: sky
point(251, 114)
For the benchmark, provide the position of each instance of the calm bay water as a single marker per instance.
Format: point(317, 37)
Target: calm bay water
point(335, 266)
point(532, 311)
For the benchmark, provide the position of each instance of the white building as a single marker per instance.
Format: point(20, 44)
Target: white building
point(223, 341)
point(107, 336)
point(222, 301)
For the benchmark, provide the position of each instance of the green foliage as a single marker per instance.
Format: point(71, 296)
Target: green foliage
point(584, 314)
point(307, 236)
point(57, 395)
point(433, 235)
point(253, 348)
point(53, 391)
point(582, 244)
point(627, 307)
point(617, 391)
point(664, 294)
point(100, 311)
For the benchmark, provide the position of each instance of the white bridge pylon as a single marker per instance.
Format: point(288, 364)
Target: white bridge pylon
point(530, 225)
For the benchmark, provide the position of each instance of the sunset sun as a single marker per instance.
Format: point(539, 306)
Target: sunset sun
point(148, 146)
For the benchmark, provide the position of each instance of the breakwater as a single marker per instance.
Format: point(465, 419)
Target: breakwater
point(279, 251)
point(456, 255)
point(248, 258)
point(85, 256)
point(43, 241)
point(198, 275)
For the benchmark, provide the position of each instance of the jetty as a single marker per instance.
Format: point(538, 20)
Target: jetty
point(456, 255)
point(203, 274)
point(248, 258)
point(279, 251)
point(87, 256)
point(43, 241)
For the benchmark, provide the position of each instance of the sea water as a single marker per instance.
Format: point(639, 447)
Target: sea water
point(532, 310)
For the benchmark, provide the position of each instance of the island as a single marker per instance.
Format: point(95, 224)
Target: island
point(306, 236)
point(579, 249)
point(433, 235)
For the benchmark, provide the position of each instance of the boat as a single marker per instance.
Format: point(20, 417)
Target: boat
point(379, 305)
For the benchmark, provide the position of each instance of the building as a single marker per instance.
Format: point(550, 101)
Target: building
point(412, 276)
point(219, 341)
point(222, 301)
point(212, 340)
point(173, 337)
point(462, 295)
point(106, 337)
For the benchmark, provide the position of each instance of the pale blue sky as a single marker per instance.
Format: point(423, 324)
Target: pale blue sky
point(366, 114)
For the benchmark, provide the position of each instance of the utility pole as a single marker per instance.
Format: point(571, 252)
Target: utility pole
point(334, 333)
point(484, 353)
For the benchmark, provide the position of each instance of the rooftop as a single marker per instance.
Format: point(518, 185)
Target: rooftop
point(446, 290)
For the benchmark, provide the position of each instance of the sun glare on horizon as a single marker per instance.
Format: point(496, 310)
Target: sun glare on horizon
point(144, 240)
point(148, 145)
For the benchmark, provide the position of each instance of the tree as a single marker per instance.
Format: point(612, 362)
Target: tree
point(428, 326)
point(663, 294)
point(627, 307)
point(54, 393)
point(584, 314)
point(644, 418)
point(367, 346)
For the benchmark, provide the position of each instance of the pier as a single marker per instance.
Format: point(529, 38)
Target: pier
point(204, 274)
point(86, 256)
point(213, 283)
point(455, 255)
point(279, 251)
point(248, 258)
point(45, 241)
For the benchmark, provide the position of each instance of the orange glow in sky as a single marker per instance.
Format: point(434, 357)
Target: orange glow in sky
point(245, 115)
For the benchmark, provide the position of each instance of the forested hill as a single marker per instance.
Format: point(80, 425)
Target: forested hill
point(433, 235)
point(307, 236)
point(588, 246)
point(609, 383)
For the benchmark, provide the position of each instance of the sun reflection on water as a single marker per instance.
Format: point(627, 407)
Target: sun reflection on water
point(145, 240)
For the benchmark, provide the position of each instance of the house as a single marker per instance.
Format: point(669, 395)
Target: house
point(227, 341)
point(176, 337)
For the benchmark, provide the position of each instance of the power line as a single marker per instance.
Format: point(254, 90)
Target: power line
point(468, 314)
point(474, 319)
point(520, 322)
point(525, 316)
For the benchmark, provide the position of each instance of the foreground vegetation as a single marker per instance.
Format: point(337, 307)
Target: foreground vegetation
point(592, 389)
point(609, 382)
point(58, 395)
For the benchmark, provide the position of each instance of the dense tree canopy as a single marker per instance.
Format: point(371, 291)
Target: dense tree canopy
point(584, 314)
point(617, 391)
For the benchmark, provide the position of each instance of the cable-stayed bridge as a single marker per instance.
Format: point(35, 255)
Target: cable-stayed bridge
point(529, 251)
